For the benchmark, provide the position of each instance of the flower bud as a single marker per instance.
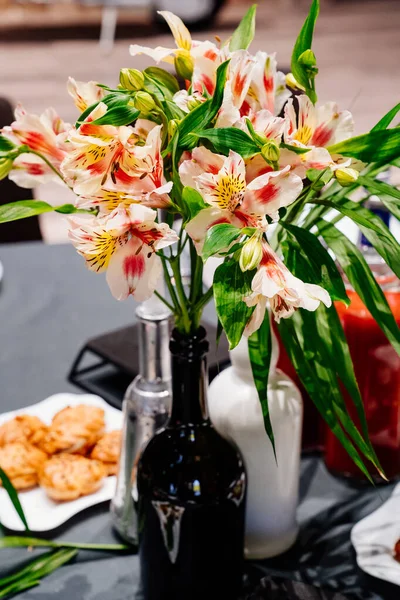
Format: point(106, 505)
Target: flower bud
point(131, 79)
point(172, 127)
point(346, 176)
point(270, 151)
point(293, 83)
point(144, 102)
point(193, 102)
point(307, 58)
point(6, 164)
point(184, 64)
point(251, 254)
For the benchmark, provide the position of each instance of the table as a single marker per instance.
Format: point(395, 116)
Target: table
point(49, 305)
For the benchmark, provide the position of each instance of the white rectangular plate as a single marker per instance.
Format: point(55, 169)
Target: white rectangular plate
point(42, 513)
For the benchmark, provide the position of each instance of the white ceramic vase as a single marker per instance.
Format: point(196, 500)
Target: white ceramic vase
point(235, 410)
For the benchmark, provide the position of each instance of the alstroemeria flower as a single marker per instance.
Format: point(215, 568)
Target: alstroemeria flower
point(123, 244)
point(222, 183)
point(237, 85)
point(182, 39)
point(275, 284)
point(45, 134)
point(268, 89)
point(315, 128)
point(186, 101)
point(84, 93)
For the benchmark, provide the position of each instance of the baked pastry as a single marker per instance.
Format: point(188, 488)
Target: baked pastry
point(22, 428)
point(75, 430)
point(21, 462)
point(107, 451)
point(69, 476)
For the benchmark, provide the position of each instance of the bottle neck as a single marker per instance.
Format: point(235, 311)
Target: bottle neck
point(189, 378)
point(154, 334)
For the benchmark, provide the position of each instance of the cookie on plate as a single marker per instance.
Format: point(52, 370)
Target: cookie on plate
point(21, 462)
point(22, 428)
point(74, 429)
point(69, 476)
point(107, 451)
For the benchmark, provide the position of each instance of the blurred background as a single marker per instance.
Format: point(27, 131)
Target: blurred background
point(357, 44)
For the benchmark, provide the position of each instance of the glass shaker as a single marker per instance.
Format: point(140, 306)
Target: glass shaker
point(146, 408)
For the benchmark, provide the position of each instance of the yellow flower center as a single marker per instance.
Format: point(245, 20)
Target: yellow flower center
point(229, 192)
point(304, 134)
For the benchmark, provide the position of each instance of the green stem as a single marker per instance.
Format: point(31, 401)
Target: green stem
point(175, 266)
point(198, 307)
point(171, 289)
point(28, 542)
point(48, 163)
point(171, 308)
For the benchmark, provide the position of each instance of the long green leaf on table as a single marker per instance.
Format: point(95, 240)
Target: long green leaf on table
point(333, 336)
point(387, 119)
point(244, 33)
point(201, 117)
point(319, 263)
point(316, 378)
point(229, 138)
point(373, 228)
point(13, 494)
point(31, 574)
point(388, 194)
point(381, 145)
point(27, 542)
point(361, 278)
point(230, 286)
point(22, 209)
point(219, 238)
point(260, 348)
point(303, 43)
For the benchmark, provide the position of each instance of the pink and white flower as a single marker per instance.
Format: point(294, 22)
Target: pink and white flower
point(268, 89)
point(222, 183)
point(123, 244)
point(315, 128)
point(83, 93)
point(45, 134)
point(274, 284)
point(237, 85)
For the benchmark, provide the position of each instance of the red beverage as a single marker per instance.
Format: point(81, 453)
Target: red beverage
point(377, 368)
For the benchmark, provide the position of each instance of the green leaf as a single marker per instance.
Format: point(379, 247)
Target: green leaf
point(315, 374)
point(27, 542)
point(361, 278)
point(167, 80)
point(319, 265)
point(201, 117)
point(219, 238)
point(31, 575)
point(173, 111)
point(387, 119)
point(260, 349)
point(229, 138)
point(5, 144)
point(388, 194)
point(332, 333)
point(244, 33)
point(118, 116)
point(22, 209)
point(373, 228)
point(193, 202)
point(230, 286)
point(111, 100)
point(295, 149)
point(303, 74)
point(381, 145)
point(13, 495)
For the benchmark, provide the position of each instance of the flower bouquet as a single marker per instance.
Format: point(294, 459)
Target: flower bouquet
point(248, 164)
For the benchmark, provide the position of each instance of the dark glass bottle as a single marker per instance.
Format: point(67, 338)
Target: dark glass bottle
point(192, 488)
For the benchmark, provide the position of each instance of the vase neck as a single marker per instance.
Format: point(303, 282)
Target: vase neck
point(189, 381)
point(154, 332)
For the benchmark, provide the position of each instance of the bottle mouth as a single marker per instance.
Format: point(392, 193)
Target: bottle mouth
point(189, 344)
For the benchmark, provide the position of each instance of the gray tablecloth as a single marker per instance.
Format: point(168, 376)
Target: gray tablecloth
point(49, 305)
